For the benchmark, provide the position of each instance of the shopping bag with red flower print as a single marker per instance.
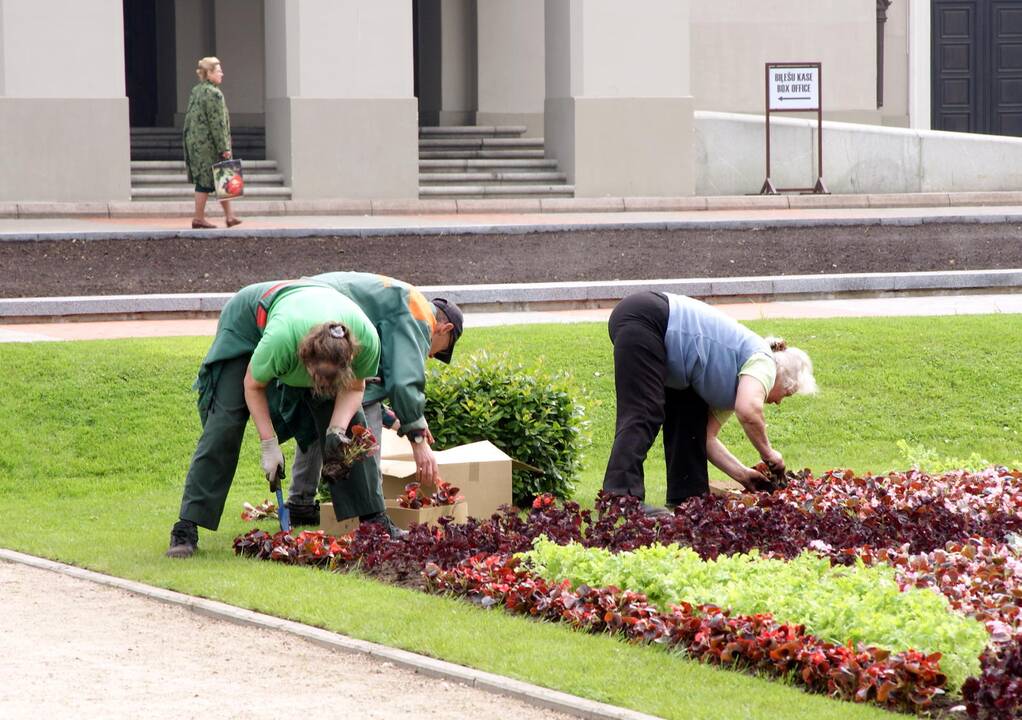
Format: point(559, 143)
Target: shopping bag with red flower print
point(228, 180)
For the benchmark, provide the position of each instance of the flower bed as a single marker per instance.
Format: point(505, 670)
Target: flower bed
point(949, 534)
point(857, 603)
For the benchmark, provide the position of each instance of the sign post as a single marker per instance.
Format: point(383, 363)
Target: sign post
point(794, 87)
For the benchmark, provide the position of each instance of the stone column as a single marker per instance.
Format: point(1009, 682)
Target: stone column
point(233, 31)
point(193, 39)
point(447, 62)
point(341, 119)
point(618, 106)
point(512, 75)
point(920, 68)
point(63, 112)
point(240, 46)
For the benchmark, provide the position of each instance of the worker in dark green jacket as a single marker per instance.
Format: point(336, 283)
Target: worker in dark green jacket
point(411, 329)
point(294, 355)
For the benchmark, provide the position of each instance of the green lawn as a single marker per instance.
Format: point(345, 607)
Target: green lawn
point(97, 437)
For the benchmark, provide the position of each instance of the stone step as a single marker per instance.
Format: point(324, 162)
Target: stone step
point(187, 192)
point(481, 143)
point(163, 130)
point(481, 191)
point(259, 178)
point(143, 166)
point(176, 153)
point(449, 131)
point(165, 143)
point(448, 178)
point(494, 165)
point(480, 154)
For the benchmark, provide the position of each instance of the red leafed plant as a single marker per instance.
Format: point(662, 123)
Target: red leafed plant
point(310, 547)
point(263, 511)
point(413, 497)
point(446, 494)
point(543, 501)
point(997, 693)
point(363, 443)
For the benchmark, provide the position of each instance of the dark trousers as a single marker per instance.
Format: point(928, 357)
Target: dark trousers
point(645, 405)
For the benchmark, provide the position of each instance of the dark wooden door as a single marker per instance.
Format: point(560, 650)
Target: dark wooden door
point(140, 61)
point(1006, 68)
point(977, 66)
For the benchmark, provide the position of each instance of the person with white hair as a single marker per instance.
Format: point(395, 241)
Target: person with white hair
point(686, 367)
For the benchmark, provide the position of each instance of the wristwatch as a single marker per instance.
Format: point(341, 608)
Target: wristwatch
point(417, 436)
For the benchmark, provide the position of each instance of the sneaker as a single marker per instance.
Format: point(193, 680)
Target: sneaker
point(384, 521)
point(184, 539)
point(303, 513)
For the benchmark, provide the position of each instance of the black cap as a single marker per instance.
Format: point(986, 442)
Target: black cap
point(454, 316)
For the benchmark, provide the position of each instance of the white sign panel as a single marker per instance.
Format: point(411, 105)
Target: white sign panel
point(793, 88)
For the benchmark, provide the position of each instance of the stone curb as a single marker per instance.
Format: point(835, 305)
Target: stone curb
point(488, 682)
point(515, 296)
point(507, 228)
point(431, 206)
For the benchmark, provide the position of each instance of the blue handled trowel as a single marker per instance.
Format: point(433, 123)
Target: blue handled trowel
point(283, 514)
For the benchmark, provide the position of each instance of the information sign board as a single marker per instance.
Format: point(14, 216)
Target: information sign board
point(794, 88)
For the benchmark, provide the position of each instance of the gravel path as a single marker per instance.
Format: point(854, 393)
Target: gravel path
point(73, 649)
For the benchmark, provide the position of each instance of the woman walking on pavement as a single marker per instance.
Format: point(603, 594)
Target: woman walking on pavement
point(685, 366)
point(305, 336)
point(207, 138)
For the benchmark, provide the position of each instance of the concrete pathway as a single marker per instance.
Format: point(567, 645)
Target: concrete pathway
point(741, 211)
point(76, 649)
point(863, 307)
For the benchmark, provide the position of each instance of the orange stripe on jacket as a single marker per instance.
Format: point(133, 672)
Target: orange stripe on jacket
point(421, 308)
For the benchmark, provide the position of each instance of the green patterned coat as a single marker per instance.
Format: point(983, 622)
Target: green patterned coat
point(207, 132)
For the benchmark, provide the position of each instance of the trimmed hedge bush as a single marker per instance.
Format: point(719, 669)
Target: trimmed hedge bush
point(526, 411)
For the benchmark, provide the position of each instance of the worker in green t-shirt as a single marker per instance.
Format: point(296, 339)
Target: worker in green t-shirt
point(280, 350)
point(411, 329)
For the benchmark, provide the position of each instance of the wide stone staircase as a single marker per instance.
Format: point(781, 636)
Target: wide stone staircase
point(158, 170)
point(477, 161)
point(454, 162)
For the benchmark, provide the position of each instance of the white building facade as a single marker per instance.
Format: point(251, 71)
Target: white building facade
point(340, 88)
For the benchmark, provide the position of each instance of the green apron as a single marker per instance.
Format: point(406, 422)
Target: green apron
point(295, 412)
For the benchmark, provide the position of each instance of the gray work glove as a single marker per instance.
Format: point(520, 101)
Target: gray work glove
point(336, 439)
point(272, 462)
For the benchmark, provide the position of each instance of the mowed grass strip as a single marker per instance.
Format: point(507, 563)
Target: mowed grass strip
point(98, 436)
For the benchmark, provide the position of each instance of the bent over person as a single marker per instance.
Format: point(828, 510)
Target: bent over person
point(411, 329)
point(297, 335)
point(685, 366)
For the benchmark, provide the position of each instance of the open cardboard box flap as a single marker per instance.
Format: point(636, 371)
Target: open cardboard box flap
point(481, 471)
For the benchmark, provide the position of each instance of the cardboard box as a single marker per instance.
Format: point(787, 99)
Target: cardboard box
point(480, 470)
point(725, 487)
point(404, 517)
point(333, 526)
point(394, 446)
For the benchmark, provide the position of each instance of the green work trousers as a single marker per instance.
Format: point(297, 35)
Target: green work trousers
point(361, 494)
point(215, 461)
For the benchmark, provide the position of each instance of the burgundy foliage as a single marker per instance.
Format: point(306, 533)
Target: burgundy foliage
point(997, 693)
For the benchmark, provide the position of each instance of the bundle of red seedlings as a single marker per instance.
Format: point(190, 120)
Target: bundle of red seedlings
point(414, 498)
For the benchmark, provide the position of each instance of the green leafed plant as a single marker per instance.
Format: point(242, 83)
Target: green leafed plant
point(928, 460)
point(857, 603)
point(527, 411)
